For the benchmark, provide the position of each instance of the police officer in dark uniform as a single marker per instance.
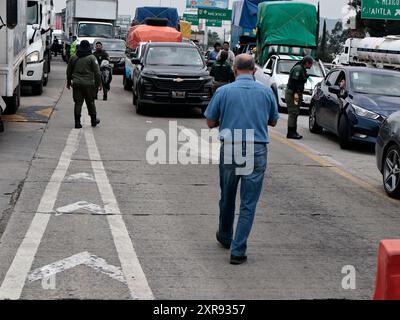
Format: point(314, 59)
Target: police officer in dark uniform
point(83, 75)
point(101, 55)
point(294, 94)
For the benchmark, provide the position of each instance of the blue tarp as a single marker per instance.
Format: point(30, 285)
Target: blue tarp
point(158, 12)
point(249, 13)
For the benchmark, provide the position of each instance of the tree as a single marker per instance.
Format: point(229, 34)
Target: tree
point(322, 51)
point(336, 40)
point(213, 37)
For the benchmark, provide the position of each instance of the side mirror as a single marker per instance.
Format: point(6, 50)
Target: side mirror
point(268, 72)
point(136, 61)
point(12, 14)
point(35, 27)
point(334, 89)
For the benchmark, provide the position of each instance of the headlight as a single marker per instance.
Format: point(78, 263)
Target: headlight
point(365, 113)
point(33, 57)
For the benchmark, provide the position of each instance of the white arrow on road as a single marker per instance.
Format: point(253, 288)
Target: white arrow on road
point(83, 258)
point(82, 176)
point(91, 207)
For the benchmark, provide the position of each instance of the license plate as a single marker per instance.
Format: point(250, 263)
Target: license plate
point(178, 94)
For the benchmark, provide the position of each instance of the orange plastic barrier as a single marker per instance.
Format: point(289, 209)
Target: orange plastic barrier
point(388, 273)
point(145, 33)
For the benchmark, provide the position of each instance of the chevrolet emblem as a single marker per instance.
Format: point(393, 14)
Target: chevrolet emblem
point(178, 80)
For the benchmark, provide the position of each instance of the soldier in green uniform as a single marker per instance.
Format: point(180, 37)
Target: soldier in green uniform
point(294, 94)
point(83, 74)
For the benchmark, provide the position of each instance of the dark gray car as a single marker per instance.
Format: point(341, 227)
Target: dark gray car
point(388, 154)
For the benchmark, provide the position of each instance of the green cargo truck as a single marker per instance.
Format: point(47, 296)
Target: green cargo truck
point(286, 27)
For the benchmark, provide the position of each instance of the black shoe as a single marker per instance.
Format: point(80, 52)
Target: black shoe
point(1, 126)
point(225, 245)
point(292, 134)
point(94, 120)
point(105, 98)
point(238, 260)
point(78, 124)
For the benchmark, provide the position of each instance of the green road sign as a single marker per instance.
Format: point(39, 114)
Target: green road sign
point(380, 9)
point(192, 18)
point(215, 14)
point(213, 23)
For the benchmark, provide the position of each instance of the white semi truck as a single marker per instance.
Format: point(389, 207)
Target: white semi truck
point(377, 52)
point(40, 17)
point(90, 20)
point(12, 53)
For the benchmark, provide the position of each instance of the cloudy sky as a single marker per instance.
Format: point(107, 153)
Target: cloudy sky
point(329, 8)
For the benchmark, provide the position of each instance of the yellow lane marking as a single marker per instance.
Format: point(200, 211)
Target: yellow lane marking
point(45, 112)
point(332, 167)
point(14, 118)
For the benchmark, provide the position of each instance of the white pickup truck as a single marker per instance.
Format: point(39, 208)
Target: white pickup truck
point(275, 74)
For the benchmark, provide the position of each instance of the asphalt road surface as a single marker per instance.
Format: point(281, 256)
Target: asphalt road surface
point(84, 215)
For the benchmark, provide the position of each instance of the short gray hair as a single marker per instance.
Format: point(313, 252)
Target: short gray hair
point(244, 61)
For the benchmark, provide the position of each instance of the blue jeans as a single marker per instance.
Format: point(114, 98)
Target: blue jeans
point(250, 190)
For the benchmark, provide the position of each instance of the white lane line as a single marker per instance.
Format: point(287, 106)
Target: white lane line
point(134, 275)
point(15, 278)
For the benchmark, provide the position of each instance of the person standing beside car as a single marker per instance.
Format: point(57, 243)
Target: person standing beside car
point(231, 55)
point(222, 72)
point(294, 94)
point(214, 54)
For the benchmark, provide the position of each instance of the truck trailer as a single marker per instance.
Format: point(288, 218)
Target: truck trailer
point(40, 19)
point(12, 53)
point(373, 52)
point(89, 20)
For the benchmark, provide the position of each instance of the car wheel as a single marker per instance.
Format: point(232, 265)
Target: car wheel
point(344, 132)
point(139, 106)
point(312, 121)
point(391, 172)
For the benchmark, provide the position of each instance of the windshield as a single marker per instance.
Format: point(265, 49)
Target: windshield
point(95, 30)
point(284, 67)
point(376, 83)
point(32, 13)
point(174, 56)
point(114, 45)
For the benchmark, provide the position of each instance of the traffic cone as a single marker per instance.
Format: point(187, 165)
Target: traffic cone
point(388, 273)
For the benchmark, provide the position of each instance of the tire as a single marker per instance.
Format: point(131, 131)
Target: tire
point(127, 83)
point(139, 107)
point(313, 126)
point(344, 132)
point(45, 79)
point(37, 89)
point(391, 172)
point(13, 103)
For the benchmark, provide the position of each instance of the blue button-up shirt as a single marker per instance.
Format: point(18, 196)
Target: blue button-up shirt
point(243, 104)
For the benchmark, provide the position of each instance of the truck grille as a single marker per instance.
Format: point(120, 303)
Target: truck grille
point(185, 85)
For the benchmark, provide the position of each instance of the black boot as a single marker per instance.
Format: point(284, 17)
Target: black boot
point(292, 134)
point(94, 120)
point(78, 124)
point(105, 97)
point(1, 125)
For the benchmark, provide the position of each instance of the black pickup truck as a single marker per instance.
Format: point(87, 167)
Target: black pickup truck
point(171, 73)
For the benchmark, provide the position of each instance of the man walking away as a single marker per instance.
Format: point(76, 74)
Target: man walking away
point(248, 107)
point(231, 55)
point(294, 94)
point(222, 72)
point(83, 74)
